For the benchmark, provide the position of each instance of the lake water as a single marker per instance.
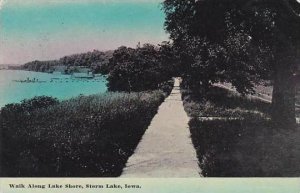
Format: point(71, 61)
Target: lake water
point(55, 85)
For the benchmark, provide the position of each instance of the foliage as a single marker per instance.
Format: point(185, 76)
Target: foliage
point(137, 69)
point(234, 137)
point(169, 60)
point(28, 105)
point(85, 136)
point(40, 66)
point(240, 42)
point(95, 60)
point(215, 48)
point(167, 87)
point(232, 41)
point(244, 148)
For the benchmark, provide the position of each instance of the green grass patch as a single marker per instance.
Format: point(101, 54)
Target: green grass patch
point(219, 102)
point(85, 136)
point(245, 148)
point(248, 146)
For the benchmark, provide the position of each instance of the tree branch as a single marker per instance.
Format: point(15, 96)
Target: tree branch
point(288, 9)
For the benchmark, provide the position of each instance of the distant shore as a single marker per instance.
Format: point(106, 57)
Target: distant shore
point(28, 84)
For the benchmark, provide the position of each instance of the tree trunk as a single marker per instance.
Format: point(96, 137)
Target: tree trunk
point(283, 100)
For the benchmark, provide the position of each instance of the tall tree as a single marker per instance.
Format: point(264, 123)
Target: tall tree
point(240, 41)
point(281, 32)
point(137, 69)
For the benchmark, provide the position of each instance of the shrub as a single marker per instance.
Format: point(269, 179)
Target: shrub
point(137, 69)
point(244, 148)
point(29, 105)
point(84, 136)
point(166, 87)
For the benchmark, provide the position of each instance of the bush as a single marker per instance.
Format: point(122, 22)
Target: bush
point(166, 87)
point(244, 148)
point(137, 69)
point(29, 105)
point(85, 136)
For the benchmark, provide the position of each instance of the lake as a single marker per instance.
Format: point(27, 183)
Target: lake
point(55, 85)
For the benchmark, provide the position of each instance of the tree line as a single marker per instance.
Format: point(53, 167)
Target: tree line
point(146, 67)
point(96, 60)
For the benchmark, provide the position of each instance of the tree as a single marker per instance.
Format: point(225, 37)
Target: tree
point(169, 60)
point(96, 60)
point(239, 41)
point(121, 69)
point(276, 24)
point(137, 69)
point(214, 48)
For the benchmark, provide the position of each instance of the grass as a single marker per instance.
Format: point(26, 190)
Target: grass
point(85, 136)
point(265, 89)
point(247, 146)
point(219, 102)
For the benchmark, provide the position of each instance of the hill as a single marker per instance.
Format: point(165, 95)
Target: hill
point(95, 60)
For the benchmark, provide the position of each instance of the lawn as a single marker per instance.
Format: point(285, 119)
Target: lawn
point(239, 140)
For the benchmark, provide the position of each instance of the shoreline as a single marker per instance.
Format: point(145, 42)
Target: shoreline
point(45, 84)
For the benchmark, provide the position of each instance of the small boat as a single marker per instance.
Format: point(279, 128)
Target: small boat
point(34, 80)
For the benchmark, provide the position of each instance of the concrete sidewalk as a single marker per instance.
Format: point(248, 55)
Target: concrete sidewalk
point(166, 149)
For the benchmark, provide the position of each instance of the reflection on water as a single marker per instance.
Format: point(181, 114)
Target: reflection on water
point(16, 85)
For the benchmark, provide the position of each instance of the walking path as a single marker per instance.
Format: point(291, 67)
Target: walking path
point(166, 149)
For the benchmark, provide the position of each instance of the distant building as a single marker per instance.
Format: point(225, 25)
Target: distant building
point(74, 71)
point(80, 69)
point(81, 72)
point(82, 75)
point(60, 69)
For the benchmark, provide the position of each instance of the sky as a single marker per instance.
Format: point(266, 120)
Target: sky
point(49, 29)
